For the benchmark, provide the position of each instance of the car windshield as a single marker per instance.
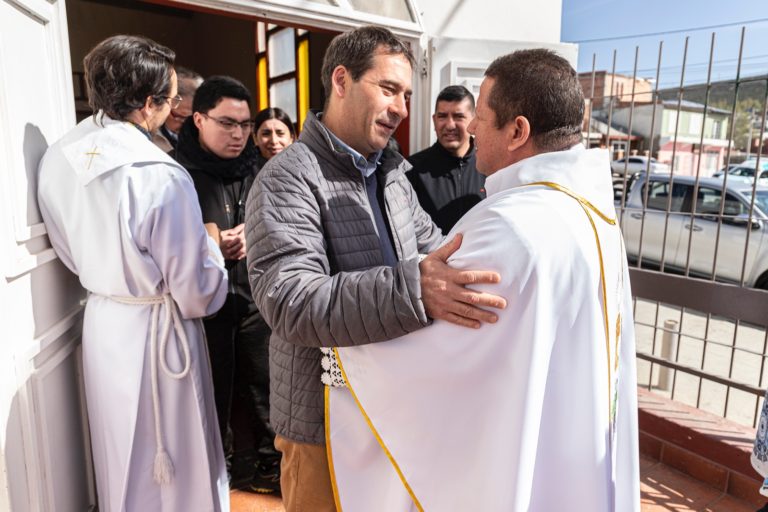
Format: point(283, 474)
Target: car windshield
point(743, 171)
point(761, 200)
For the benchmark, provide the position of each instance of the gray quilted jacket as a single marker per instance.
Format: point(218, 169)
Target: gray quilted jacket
point(315, 267)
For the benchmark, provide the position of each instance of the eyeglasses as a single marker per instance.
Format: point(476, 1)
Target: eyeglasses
point(173, 101)
point(230, 125)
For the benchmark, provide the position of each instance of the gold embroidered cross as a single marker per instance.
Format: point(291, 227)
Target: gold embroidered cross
point(92, 154)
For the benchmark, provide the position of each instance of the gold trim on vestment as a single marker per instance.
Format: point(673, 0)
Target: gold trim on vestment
point(328, 451)
point(586, 206)
point(376, 435)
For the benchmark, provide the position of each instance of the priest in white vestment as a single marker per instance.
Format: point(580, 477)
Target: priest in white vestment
point(124, 217)
point(547, 395)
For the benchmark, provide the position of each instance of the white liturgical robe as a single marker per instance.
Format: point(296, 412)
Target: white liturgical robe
point(124, 217)
point(536, 412)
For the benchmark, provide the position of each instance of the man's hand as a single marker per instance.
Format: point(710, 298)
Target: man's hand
point(445, 296)
point(233, 243)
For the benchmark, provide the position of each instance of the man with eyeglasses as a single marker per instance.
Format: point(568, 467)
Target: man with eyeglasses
point(167, 137)
point(216, 147)
point(124, 217)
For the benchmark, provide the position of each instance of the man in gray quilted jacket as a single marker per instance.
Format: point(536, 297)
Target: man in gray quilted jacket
point(333, 234)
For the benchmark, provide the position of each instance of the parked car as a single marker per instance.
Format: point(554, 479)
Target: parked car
point(635, 164)
point(674, 217)
point(745, 172)
point(729, 168)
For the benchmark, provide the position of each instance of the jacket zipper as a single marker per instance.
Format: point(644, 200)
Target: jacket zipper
point(395, 235)
point(228, 212)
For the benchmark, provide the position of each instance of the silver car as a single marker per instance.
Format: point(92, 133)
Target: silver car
point(674, 219)
point(745, 173)
point(634, 164)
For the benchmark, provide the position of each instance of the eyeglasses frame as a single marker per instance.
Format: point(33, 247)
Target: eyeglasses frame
point(229, 125)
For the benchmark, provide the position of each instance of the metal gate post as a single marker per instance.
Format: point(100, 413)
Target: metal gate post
point(669, 340)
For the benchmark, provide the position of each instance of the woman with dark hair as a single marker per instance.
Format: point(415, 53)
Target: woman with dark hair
point(274, 132)
point(124, 217)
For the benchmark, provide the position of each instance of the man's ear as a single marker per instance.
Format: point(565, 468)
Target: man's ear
point(197, 118)
point(339, 80)
point(518, 133)
point(148, 107)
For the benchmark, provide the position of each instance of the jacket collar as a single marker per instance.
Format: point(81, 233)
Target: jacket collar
point(317, 136)
point(445, 154)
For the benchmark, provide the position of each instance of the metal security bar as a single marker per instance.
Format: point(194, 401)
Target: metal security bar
point(690, 174)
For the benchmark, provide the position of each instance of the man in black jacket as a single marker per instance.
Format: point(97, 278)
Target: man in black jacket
point(216, 147)
point(444, 175)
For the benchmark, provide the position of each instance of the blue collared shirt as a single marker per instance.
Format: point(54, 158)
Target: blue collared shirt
point(367, 166)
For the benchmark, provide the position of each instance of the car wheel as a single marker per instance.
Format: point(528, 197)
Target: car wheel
point(762, 282)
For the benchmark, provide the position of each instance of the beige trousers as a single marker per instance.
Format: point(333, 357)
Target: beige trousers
point(305, 480)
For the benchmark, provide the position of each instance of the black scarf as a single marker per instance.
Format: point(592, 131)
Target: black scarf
point(189, 151)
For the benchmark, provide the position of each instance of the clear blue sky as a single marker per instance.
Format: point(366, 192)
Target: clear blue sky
point(585, 20)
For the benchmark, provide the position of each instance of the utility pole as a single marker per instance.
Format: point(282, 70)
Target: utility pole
point(750, 112)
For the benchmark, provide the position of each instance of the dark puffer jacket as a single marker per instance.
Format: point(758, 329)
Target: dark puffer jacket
point(316, 269)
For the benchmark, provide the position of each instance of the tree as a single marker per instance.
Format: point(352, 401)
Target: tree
point(748, 110)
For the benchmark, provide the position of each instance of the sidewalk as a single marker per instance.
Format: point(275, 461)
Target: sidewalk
point(662, 488)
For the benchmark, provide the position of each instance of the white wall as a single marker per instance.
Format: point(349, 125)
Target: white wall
point(506, 20)
point(465, 36)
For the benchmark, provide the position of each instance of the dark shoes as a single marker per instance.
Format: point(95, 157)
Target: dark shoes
point(266, 478)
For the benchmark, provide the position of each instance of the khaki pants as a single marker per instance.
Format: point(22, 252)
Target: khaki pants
point(305, 480)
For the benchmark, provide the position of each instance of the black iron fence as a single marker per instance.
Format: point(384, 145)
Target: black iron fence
point(690, 170)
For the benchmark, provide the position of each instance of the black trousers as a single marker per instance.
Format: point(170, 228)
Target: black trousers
point(238, 345)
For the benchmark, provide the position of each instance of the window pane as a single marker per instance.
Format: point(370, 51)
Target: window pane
point(658, 196)
point(283, 95)
point(708, 201)
point(397, 9)
point(261, 38)
point(282, 52)
point(733, 206)
point(761, 200)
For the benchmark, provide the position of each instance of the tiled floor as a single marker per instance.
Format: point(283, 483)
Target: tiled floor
point(662, 488)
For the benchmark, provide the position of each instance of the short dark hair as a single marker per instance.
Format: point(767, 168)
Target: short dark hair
point(454, 93)
point(543, 87)
point(121, 72)
point(274, 113)
point(188, 80)
point(214, 89)
point(355, 51)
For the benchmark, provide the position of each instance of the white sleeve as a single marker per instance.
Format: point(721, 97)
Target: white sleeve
point(189, 260)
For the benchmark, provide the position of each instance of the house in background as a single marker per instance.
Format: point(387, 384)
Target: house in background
point(597, 134)
point(605, 92)
point(604, 88)
point(682, 134)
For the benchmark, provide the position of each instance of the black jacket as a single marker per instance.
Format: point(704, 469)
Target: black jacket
point(447, 186)
point(222, 187)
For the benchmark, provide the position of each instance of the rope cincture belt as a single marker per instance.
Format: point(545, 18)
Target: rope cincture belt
point(163, 466)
